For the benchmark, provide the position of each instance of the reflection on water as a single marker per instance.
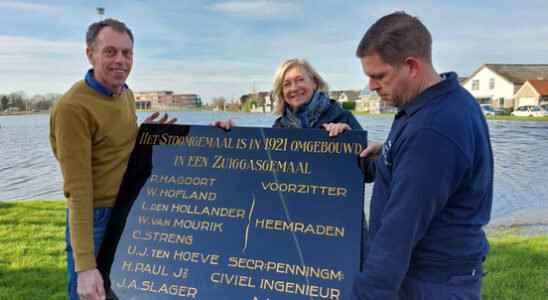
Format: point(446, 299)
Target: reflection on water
point(28, 169)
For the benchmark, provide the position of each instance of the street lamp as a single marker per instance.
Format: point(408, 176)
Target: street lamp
point(100, 12)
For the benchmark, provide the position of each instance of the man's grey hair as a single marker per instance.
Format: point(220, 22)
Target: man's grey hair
point(95, 28)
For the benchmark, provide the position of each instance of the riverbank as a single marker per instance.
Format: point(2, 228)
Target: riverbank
point(357, 113)
point(529, 223)
point(32, 257)
point(23, 113)
point(493, 118)
point(514, 118)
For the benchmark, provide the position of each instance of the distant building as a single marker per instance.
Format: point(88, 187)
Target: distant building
point(187, 100)
point(148, 100)
point(345, 95)
point(363, 104)
point(259, 102)
point(372, 103)
point(335, 94)
point(532, 92)
point(12, 109)
point(166, 100)
point(496, 84)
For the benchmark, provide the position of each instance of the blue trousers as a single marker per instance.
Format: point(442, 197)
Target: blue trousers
point(427, 285)
point(100, 221)
point(457, 287)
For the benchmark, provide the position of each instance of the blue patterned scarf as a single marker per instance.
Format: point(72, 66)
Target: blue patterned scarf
point(307, 115)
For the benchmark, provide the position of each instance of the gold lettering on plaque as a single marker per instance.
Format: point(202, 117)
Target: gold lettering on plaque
point(172, 238)
point(310, 290)
point(284, 187)
point(298, 227)
point(232, 279)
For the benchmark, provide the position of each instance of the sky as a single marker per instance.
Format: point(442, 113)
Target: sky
point(230, 48)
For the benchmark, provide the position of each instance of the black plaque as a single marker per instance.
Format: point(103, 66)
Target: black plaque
point(250, 213)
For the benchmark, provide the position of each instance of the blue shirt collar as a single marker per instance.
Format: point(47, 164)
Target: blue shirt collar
point(98, 87)
point(448, 82)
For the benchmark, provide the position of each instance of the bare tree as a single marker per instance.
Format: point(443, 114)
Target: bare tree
point(4, 102)
point(43, 102)
point(17, 99)
point(219, 103)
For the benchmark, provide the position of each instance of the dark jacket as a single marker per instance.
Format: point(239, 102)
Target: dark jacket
point(432, 195)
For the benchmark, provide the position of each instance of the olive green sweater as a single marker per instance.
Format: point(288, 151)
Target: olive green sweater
point(92, 136)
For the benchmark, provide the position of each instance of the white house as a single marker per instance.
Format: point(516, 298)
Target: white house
point(496, 84)
point(260, 101)
point(345, 95)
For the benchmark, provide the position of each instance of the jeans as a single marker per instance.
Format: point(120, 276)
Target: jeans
point(457, 287)
point(100, 220)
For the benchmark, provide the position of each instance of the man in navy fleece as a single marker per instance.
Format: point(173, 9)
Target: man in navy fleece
point(433, 175)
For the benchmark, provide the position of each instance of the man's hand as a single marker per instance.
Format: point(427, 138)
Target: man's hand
point(372, 151)
point(224, 124)
point(90, 285)
point(335, 129)
point(152, 119)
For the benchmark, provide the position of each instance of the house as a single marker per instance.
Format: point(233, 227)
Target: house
point(362, 105)
point(372, 103)
point(186, 100)
point(166, 100)
point(532, 92)
point(260, 102)
point(496, 84)
point(335, 94)
point(152, 99)
point(345, 96)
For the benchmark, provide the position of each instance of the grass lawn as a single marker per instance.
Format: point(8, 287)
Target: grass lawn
point(517, 268)
point(32, 257)
point(514, 118)
point(363, 113)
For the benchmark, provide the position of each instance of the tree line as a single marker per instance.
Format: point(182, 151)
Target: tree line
point(19, 101)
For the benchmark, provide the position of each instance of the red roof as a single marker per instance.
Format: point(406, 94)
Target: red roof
point(541, 86)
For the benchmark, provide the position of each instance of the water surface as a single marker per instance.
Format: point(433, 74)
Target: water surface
point(28, 169)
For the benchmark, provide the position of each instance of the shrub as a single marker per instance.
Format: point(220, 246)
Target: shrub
point(349, 105)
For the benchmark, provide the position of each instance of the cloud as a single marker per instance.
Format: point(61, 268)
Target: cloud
point(25, 45)
point(26, 6)
point(209, 78)
point(39, 65)
point(224, 48)
point(262, 8)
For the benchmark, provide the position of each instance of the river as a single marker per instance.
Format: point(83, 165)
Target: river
point(28, 169)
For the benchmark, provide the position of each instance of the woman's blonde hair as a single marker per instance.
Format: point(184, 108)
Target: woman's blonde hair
point(277, 91)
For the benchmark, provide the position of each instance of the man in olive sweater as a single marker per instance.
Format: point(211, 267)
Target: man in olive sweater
point(93, 128)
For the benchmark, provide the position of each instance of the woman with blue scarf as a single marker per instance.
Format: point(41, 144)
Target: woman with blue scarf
point(301, 98)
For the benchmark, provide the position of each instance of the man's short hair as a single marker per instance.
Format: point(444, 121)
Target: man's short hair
point(95, 28)
point(395, 37)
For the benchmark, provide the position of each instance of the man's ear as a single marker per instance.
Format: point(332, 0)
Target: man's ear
point(414, 64)
point(89, 54)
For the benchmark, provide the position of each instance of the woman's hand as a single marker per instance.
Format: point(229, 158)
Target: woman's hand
point(224, 124)
point(335, 129)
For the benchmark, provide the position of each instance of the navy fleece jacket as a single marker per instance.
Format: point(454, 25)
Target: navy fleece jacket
point(432, 194)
